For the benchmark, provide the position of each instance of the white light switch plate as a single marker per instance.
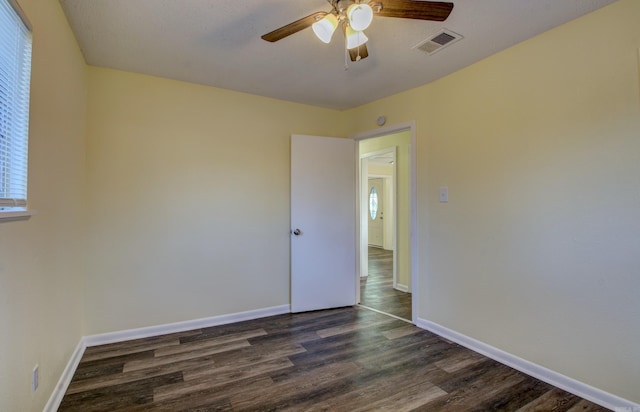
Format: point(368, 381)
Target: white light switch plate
point(444, 194)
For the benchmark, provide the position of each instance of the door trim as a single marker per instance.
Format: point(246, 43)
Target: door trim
point(383, 131)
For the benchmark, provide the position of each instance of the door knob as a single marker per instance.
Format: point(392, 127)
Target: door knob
point(297, 232)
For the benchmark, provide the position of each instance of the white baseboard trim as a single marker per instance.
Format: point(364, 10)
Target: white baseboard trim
point(401, 287)
point(149, 331)
point(578, 388)
point(112, 337)
point(65, 379)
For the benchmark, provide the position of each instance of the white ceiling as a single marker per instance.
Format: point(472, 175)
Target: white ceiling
point(217, 43)
point(383, 159)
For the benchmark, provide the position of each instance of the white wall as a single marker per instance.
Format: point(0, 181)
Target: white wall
point(188, 199)
point(42, 260)
point(537, 251)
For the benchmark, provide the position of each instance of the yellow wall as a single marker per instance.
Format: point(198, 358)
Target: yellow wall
point(402, 142)
point(185, 195)
point(381, 170)
point(537, 250)
point(42, 259)
point(188, 199)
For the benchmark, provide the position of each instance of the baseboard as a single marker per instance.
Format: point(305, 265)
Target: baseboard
point(112, 337)
point(578, 388)
point(149, 331)
point(401, 287)
point(65, 379)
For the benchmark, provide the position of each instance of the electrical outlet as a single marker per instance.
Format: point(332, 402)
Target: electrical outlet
point(34, 379)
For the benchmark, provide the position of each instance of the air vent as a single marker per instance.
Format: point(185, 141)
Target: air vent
point(438, 42)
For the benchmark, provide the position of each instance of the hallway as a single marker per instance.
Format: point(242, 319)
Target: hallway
point(376, 290)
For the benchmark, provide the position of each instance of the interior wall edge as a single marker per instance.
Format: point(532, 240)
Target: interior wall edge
point(55, 399)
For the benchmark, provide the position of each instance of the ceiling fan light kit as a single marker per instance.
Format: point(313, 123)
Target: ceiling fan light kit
point(360, 16)
point(356, 15)
point(324, 28)
point(355, 38)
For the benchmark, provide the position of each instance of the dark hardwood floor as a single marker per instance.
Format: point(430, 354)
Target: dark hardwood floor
point(376, 290)
point(349, 359)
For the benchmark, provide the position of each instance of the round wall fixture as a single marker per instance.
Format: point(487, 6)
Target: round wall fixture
point(381, 120)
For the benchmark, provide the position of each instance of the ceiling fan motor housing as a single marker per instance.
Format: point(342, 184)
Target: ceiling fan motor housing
point(341, 6)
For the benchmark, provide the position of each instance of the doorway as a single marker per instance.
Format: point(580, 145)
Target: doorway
point(375, 216)
point(386, 220)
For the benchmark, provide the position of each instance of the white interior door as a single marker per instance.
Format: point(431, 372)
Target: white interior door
point(323, 223)
point(376, 212)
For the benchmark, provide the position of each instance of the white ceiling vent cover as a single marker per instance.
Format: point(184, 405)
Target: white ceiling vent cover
point(439, 41)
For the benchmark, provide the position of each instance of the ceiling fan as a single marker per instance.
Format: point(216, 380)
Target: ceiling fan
point(354, 16)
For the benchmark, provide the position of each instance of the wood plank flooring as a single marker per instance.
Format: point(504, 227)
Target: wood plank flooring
point(376, 290)
point(349, 359)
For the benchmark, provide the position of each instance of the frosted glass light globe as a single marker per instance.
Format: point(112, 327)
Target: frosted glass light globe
point(360, 16)
point(324, 28)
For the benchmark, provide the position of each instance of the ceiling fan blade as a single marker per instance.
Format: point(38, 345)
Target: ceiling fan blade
point(358, 53)
point(294, 27)
point(413, 9)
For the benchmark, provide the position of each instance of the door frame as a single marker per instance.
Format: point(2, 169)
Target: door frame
point(383, 131)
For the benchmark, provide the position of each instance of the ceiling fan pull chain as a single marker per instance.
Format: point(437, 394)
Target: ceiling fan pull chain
point(346, 55)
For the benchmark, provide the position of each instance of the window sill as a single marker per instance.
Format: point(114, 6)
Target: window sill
point(10, 215)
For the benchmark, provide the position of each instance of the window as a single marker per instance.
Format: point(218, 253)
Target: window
point(373, 203)
point(15, 74)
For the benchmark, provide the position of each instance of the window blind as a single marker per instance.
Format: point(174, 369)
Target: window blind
point(15, 75)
